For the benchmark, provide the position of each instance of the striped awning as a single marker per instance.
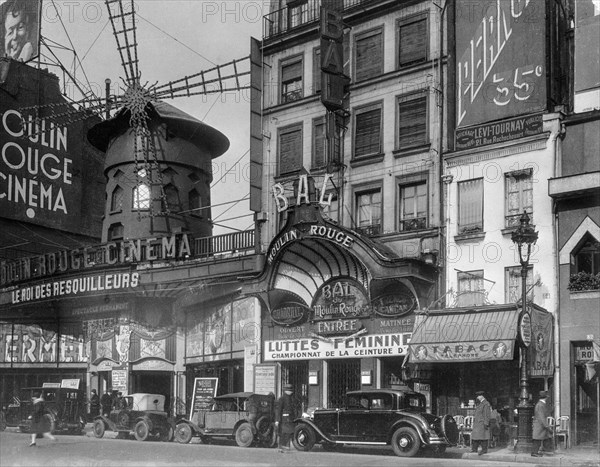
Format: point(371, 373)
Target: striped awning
point(464, 336)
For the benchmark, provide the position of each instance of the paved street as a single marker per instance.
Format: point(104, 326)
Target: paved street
point(87, 451)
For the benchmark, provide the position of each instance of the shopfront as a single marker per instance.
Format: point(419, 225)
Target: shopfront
point(460, 351)
point(337, 309)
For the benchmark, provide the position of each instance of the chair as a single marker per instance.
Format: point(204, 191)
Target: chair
point(563, 430)
point(468, 428)
point(460, 423)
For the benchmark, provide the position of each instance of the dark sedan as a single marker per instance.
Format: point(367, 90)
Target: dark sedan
point(378, 417)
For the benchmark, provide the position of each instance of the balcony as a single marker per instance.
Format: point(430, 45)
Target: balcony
point(512, 221)
point(226, 245)
point(416, 223)
point(300, 13)
point(369, 230)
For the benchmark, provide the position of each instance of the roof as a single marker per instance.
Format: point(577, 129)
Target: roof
point(182, 124)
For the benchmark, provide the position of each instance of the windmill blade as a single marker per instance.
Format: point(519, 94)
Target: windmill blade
point(124, 30)
point(231, 76)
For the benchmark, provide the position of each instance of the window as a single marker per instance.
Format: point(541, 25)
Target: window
point(291, 80)
point(412, 120)
point(172, 198)
point(512, 284)
point(412, 40)
point(116, 199)
point(413, 206)
point(368, 60)
point(470, 206)
point(519, 188)
point(297, 13)
point(195, 202)
point(367, 131)
point(316, 70)
point(368, 211)
point(587, 258)
point(319, 144)
point(290, 149)
point(141, 197)
point(115, 232)
point(470, 288)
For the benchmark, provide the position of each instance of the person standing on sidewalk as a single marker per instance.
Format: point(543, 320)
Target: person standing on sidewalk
point(285, 413)
point(106, 402)
point(481, 424)
point(41, 425)
point(542, 432)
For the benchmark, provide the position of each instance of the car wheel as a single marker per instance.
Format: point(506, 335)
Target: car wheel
point(99, 428)
point(406, 442)
point(142, 430)
point(183, 433)
point(304, 437)
point(244, 436)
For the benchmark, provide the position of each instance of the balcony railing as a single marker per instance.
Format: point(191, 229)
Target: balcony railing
point(416, 223)
point(298, 14)
point(513, 220)
point(369, 230)
point(224, 245)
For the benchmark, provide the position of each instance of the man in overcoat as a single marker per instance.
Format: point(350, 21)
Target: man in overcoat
point(481, 424)
point(106, 402)
point(286, 411)
point(542, 432)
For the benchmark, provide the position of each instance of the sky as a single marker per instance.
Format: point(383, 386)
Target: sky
point(175, 39)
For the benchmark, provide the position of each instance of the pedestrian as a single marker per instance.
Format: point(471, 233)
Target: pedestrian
point(94, 404)
point(481, 424)
point(106, 402)
point(41, 424)
point(286, 411)
point(542, 432)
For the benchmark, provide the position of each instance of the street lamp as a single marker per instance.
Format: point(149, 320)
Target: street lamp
point(524, 237)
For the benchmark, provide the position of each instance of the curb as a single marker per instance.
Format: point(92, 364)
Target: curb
point(556, 460)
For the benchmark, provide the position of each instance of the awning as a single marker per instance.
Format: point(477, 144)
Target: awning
point(464, 336)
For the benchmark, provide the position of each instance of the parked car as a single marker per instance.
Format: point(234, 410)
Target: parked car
point(243, 416)
point(140, 413)
point(378, 416)
point(64, 408)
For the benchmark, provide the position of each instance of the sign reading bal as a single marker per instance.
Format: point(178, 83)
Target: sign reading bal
point(302, 195)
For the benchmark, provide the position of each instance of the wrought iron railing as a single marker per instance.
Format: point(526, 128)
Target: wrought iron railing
point(513, 220)
point(224, 245)
point(298, 14)
point(416, 223)
point(470, 228)
point(369, 230)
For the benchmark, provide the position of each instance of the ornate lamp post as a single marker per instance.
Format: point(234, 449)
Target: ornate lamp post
point(524, 237)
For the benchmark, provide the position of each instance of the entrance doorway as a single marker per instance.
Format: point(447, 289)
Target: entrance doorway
point(154, 382)
point(296, 374)
point(586, 408)
point(342, 376)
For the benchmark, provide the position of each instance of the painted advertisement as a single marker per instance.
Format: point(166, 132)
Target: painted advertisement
point(541, 359)
point(475, 351)
point(501, 60)
point(381, 345)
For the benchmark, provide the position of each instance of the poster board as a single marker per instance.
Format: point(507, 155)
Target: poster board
point(119, 380)
point(205, 389)
point(265, 378)
point(70, 383)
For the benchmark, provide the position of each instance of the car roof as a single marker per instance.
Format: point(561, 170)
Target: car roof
point(234, 395)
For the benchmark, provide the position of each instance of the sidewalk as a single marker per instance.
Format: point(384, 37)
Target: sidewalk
point(576, 456)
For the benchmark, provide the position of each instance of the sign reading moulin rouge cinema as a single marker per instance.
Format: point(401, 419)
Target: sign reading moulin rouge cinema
point(500, 49)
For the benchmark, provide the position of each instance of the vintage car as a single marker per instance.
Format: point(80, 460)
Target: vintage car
point(243, 416)
point(63, 407)
point(140, 413)
point(378, 417)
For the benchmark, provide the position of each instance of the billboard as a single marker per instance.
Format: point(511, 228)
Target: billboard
point(501, 60)
point(20, 28)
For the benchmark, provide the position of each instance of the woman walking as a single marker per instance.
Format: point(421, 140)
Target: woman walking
point(40, 424)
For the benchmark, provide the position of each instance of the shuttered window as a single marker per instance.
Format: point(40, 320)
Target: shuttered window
point(470, 206)
point(367, 134)
point(369, 55)
point(318, 156)
point(412, 121)
point(412, 41)
point(290, 149)
point(317, 70)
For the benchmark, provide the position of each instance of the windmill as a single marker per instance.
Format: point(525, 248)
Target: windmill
point(140, 104)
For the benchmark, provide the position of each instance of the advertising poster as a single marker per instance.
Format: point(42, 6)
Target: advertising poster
point(205, 389)
point(541, 358)
point(20, 29)
point(501, 60)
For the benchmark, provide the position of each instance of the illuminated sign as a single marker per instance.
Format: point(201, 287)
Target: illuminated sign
point(393, 305)
point(500, 47)
point(289, 314)
point(176, 246)
point(340, 299)
point(302, 194)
